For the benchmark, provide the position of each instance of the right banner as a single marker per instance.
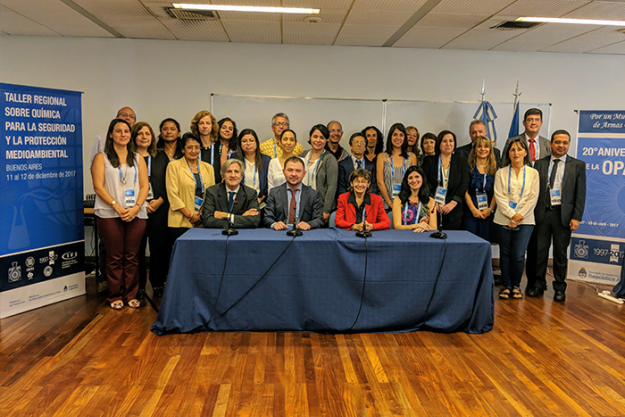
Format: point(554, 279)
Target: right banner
point(598, 246)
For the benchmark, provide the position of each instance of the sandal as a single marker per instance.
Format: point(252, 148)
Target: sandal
point(117, 305)
point(134, 303)
point(517, 294)
point(504, 294)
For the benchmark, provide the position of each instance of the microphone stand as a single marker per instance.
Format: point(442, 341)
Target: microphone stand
point(295, 232)
point(364, 232)
point(440, 234)
point(230, 231)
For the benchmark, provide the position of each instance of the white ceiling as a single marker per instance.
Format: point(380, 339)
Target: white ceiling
point(444, 24)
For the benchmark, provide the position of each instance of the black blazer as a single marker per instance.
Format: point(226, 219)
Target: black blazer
point(263, 176)
point(346, 167)
point(158, 171)
point(458, 181)
point(216, 199)
point(573, 189)
point(277, 208)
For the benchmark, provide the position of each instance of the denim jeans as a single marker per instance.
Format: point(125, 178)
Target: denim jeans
point(512, 246)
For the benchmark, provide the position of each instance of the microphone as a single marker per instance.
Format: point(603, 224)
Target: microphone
point(230, 231)
point(440, 234)
point(364, 232)
point(295, 232)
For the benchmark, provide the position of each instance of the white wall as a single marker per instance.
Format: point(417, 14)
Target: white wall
point(174, 79)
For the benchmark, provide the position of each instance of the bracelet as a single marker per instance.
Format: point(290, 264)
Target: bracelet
point(112, 203)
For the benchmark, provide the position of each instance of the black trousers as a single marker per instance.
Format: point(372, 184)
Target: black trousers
point(550, 229)
point(531, 259)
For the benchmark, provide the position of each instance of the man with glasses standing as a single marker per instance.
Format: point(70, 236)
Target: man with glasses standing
point(271, 147)
point(333, 146)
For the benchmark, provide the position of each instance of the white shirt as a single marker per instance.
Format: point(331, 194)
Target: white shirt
point(557, 185)
point(525, 204)
point(98, 145)
point(252, 179)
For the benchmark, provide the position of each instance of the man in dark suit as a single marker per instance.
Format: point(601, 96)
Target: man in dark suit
point(558, 212)
point(358, 146)
point(230, 200)
point(477, 129)
point(293, 202)
point(538, 145)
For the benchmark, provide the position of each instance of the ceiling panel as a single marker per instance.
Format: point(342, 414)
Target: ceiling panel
point(476, 7)
point(588, 41)
point(542, 8)
point(553, 32)
point(142, 28)
point(365, 35)
point(483, 39)
point(600, 10)
point(327, 16)
point(410, 6)
point(458, 21)
point(372, 17)
point(111, 9)
point(196, 30)
point(270, 17)
point(427, 37)
point(513, 45)
point(616, 48)
point(319, 4)
point(309, 34)
point(247, 31)
point(16, 24)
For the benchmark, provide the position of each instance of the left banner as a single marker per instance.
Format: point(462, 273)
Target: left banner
point(42, 250)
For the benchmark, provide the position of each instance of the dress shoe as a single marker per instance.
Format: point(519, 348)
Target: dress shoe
point(559, 296)
point(535, 292)
point(140, 294)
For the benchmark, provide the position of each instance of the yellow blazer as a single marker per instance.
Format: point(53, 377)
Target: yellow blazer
point(181, 189)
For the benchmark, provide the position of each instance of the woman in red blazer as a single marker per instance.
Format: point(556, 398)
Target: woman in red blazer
point(351, 205)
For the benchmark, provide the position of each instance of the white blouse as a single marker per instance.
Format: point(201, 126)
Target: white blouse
point(525, 204)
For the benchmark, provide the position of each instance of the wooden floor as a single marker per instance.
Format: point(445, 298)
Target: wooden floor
point(80, 358)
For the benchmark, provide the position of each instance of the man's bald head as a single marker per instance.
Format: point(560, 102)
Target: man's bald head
point(127, 114)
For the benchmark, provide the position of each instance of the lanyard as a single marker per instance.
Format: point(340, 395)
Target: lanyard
point(199, 174)
point(562, 163)
point(312, 175)
point(149, 166)
point(123, 180)
point(275, 150)
point(406, 213)
point(253, 176)
point(403, 167)
point(484, 182)
point(510, 175)
point(440, 170)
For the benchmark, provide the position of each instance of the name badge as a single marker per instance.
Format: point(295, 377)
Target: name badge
point(482, 201)
point(150, 192)
point(439, 197)
point(512, 204)
point(129, 197)
point(556, 197)
point(198, 203)
point(396, 190)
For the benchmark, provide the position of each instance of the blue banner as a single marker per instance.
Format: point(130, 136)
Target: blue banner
point(42, 186)
point(597, 247)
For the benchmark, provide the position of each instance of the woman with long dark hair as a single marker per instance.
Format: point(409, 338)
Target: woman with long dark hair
point(256, 164)
point(169, 138)
point(413, 208)
point(120, 181)
point(375, 142)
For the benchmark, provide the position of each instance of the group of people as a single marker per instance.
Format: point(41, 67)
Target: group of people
point(151, 190)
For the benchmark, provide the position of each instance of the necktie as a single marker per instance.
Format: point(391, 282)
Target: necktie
point(359, 163)
point(533, 150)
point(230, 201)
point(292, 207)
point(552, 177)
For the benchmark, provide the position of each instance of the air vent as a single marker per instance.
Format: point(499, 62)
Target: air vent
point(191, 15)
point(514, 24)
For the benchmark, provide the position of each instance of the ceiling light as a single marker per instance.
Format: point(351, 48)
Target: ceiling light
point(575, 21)
point(255, 9)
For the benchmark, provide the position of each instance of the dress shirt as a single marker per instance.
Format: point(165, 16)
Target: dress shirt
point(525, 204)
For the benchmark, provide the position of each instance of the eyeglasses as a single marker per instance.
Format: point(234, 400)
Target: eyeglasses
point(281, 124)
point(192, 148)
point(130, 116)
point(336, 131)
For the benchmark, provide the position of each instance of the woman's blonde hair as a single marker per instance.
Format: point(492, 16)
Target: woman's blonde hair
point(491, 162)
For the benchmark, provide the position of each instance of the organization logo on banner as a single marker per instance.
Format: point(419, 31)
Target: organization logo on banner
point(581, 250)
point(47, 271)
point(69, 259)
point(15, 272)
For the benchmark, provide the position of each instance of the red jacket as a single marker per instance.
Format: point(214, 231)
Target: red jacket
point(375, 213)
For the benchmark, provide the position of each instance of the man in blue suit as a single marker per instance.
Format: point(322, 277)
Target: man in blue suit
point(293, 202)
point(558, 213)
point(358, 146)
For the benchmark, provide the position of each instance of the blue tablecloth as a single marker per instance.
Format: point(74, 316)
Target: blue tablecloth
point(317, 284)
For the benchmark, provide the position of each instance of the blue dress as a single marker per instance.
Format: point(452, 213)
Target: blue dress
point(480, 227)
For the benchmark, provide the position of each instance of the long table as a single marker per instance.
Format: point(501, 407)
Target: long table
point(272, 282)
